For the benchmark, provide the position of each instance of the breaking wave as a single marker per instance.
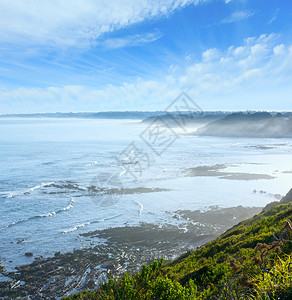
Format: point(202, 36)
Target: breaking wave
point(67, 185)
point(91, 164)
point(88, 223)
point(26, 192)
point(141, 208)
point(75, 227)
point(50, 214)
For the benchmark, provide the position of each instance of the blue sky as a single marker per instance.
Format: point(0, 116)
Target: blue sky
point(139, 55)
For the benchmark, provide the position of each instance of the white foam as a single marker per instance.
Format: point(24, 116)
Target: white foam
point(75, 228)
point(67, 207)
point(91, 164)
point(141, 209)
point(159, 175)
point(123, 172)
point(50, 214)
point(44, 184)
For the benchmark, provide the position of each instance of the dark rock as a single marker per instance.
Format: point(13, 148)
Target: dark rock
point(28, 254)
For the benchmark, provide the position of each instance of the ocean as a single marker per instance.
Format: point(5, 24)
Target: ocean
point(60, 178)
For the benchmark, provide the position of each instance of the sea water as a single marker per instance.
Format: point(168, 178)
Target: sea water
point(63, 177)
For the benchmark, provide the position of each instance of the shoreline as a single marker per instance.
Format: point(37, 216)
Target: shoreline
point(125, 249)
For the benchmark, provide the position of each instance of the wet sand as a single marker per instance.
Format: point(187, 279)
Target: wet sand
point(218, 171)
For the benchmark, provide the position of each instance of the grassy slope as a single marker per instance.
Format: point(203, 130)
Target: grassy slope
point(251, 260)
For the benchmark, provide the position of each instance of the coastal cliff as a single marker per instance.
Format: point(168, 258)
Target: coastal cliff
point(259, 124)
point(249, 261)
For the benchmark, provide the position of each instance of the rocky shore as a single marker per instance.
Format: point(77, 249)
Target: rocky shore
point(125, 249)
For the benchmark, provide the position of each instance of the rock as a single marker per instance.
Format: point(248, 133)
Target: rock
point(285, 200)
point(28, 254)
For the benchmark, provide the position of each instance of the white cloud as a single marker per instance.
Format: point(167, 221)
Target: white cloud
point(188, 57)
point(237, 16)
point(210, 54)
point(228, 1)
point(68, 23)
point(279, 49)
point(254, 63)
point(258, 71)
point(131, 40)
point(274, 17)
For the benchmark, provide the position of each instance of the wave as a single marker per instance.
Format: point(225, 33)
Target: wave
point(159, 175)
point(45, 184)
point(50, 214)
point(91, 164)
point(26, 192)
point(76, 227)
point(141, 208)
point(88, 223)
point(68, 185)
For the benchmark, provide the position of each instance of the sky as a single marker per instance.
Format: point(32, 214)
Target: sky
point(101, 55)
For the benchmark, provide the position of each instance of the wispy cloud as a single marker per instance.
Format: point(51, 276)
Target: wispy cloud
point(257, 70)
point(228, 1)
point(237, 16)
point(131, 40)
point(274, 17)
point(73, 23)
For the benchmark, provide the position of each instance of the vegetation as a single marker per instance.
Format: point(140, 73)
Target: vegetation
point(252, 260)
